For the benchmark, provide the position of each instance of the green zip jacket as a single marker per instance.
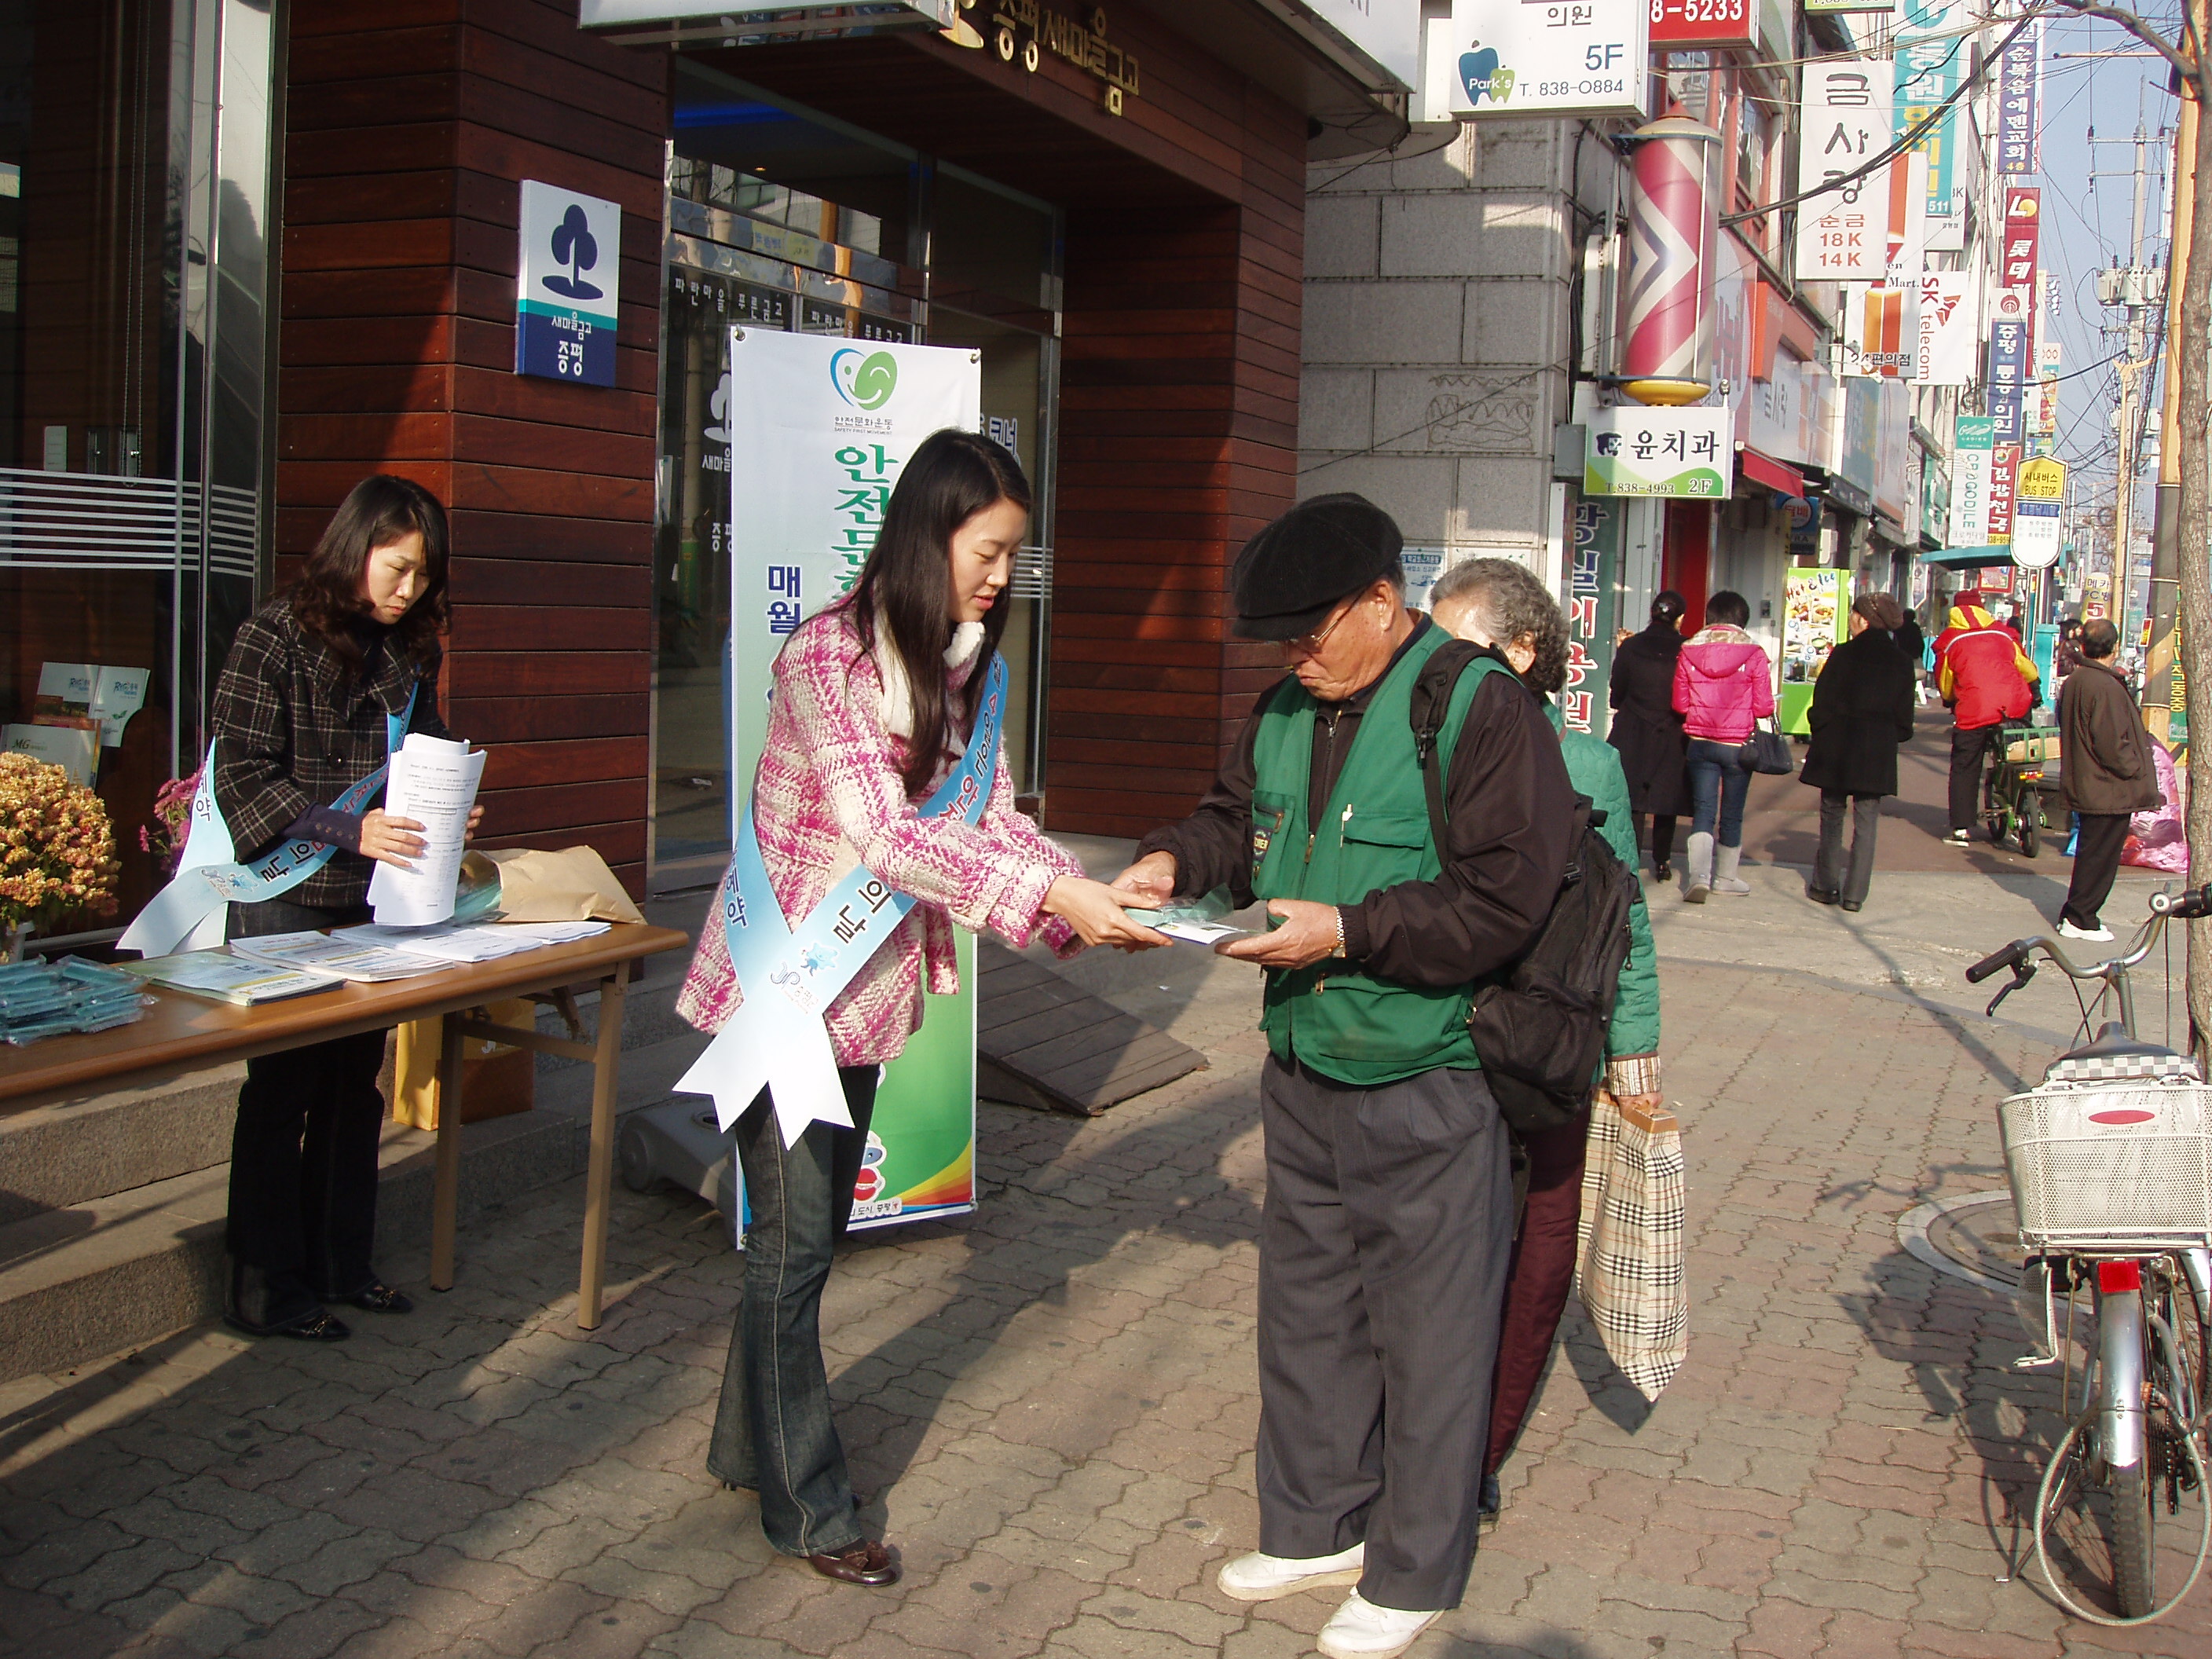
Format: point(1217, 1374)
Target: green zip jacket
point(1594, 768)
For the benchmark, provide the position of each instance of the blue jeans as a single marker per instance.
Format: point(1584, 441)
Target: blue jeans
point(772, 1429)
point(1718, 782)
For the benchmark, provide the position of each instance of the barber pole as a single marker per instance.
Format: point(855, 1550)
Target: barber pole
point(1668, 356)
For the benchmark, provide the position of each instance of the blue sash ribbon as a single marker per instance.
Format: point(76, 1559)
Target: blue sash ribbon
point(778, 1040)
point(188, 913)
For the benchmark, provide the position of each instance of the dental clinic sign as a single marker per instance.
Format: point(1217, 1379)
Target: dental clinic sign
point(1549, 57)
point(565, 298)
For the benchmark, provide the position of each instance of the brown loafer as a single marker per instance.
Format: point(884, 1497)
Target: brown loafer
point(866, 1563)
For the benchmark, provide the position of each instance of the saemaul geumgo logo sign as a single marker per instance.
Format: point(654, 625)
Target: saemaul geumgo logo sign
point(568, 285)
point(864, 379)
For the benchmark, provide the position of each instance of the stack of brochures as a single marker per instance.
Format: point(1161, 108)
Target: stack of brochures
point(43, 998)
point(278, 965)
point(226, 978)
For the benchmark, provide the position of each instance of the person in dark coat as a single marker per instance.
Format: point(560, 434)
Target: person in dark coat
point(2109, 775)
point(1862, 710)
point(1648, 732)
point(1910, 641)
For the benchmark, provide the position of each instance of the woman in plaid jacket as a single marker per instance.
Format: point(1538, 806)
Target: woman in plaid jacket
point(874, 698)
point(299, 717)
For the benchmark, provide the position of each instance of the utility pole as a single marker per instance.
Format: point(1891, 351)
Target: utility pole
point(2137, 289)
point(2166, 533)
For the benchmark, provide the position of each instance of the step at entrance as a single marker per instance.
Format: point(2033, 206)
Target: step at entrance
point(1041, 1042)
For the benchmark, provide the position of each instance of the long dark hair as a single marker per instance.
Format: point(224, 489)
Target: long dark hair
point(379, 510)
point(903, 587)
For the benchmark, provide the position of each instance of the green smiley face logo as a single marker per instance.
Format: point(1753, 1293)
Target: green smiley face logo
point(867, 382)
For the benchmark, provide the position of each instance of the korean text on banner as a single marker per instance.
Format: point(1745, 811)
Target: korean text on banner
point(1521, 58)
point(819, 430)
point(2020, 82)
point(1970, 484)
point(2004, 475)
point(1593, 563)
point(2023, 234)
point(2038, 500)
point(1843, 233)
point(1931, 61)
point(1883, 332)
point(1685, 452)
point(2009, 358)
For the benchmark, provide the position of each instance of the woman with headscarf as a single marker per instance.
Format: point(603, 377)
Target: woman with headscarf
point(1862, 710)
point(1648, 732)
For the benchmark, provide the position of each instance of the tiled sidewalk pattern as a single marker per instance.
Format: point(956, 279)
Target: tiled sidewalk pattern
point(1051, 1409)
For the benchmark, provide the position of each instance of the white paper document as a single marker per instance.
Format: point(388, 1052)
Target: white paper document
point(433, 781)
point(319, 953)
point(480, 942)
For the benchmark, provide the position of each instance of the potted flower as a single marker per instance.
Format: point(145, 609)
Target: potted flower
point(57, 849)
point(166, 836)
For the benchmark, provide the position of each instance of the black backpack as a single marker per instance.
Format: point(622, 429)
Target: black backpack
point(1539, 1031)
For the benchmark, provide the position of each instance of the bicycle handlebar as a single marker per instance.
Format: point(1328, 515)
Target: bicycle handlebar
point(2008, 957)
point(2186, 906)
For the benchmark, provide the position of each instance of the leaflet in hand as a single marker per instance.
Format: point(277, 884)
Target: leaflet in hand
point(433, 781)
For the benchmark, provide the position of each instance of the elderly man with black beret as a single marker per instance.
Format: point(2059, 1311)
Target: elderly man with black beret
point(1389, 1214)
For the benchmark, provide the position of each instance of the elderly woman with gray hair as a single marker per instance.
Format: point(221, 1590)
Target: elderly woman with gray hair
point(1862, 709)
point(1497, 603)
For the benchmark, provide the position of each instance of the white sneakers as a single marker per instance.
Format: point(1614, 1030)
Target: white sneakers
point(1357, 1630)
point(1257, 1577)
point(2099, 935)
point(1360, 1629)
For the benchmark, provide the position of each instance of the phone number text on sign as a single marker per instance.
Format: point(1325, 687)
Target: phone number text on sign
point(1703, 23)
point(1527, 58)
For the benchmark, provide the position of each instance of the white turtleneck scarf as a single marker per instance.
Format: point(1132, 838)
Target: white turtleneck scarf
point(898, 696)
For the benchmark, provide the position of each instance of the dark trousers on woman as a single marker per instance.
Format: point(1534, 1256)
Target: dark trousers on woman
point(772, 1433)
point(1661, 837)
point(303, 1158)
point(2103, 838)
point(1542, 1274)
point(1968, 745)
point(1719, 781)
point(1829, 873)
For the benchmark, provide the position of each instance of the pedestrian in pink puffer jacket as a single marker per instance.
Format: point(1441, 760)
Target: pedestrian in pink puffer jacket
point(1723, 686)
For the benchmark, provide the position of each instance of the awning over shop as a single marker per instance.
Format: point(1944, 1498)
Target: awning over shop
point(1773, 474)
point(1967, 558)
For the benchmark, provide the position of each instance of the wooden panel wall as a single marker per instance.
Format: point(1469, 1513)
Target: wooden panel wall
point(1180, 373)
point(411, 123)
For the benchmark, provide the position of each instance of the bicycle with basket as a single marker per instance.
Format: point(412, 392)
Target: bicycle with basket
point(2109, 1159)
point(2021, 772)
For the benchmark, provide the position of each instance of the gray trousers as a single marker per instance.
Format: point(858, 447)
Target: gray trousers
point(1829, 872)
point(1384, 1253)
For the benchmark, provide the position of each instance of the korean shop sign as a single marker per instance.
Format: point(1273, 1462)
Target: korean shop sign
point(2039, 502)
point(1026, 30)
point(1843, 233)
point(570, 282)
point(1703, 23)
point(1685, 453)
point(1535, 57)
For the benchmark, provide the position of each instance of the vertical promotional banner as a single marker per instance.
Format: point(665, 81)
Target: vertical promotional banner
point(1813, 609)
point(1592, 604)
point(1843, 234)
point(2006, 376)
point(1908, 218)
point(1930, 66)
point(2023, 229)
point(2019, 80)
point(2043, 407)
point(819, 428)
point(2004, 478)
point(1950, 333)
point(1970, 484)
point(1516, 58)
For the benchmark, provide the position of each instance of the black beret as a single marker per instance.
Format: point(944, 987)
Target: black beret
point(1293, 572)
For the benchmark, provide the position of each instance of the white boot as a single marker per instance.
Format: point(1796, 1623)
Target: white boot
point(1257, 1577)
point(1725, 879)
point(1698, 879)
point(1360, 1629)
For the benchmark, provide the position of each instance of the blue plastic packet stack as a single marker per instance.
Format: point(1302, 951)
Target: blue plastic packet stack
point(49, 998)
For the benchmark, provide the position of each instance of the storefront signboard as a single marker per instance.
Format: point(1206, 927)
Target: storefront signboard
point(2006, 374)
point(2023, 237)
point(567, 298)
point(1859, 457)
point(2038, 499)
point(2020, 81)
point(1703, 23)
point(1593, 607)
point(1843, 234)
point(1632, 451)
point(819, 430)
point(1813, 611)
point(1930, 64)
point(1519, 58)
point(746, 22)
point(1950, 333)
point(1970, 484)
point(2043, 407)
point(1883, 332)
point(2004, 476)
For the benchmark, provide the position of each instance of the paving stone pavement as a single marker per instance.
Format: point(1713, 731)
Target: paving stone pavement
point(1050, 1407)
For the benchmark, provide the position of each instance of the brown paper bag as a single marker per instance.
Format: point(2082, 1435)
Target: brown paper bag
point(495, 1079)
point(574, 884)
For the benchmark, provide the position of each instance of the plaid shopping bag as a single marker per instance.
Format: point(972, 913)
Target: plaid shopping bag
point(1628, 1270)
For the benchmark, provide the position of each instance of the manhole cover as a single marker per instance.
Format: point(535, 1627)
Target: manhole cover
point(1974, 1237)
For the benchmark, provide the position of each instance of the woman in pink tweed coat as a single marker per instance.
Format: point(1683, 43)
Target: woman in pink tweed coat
point(874, 699)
